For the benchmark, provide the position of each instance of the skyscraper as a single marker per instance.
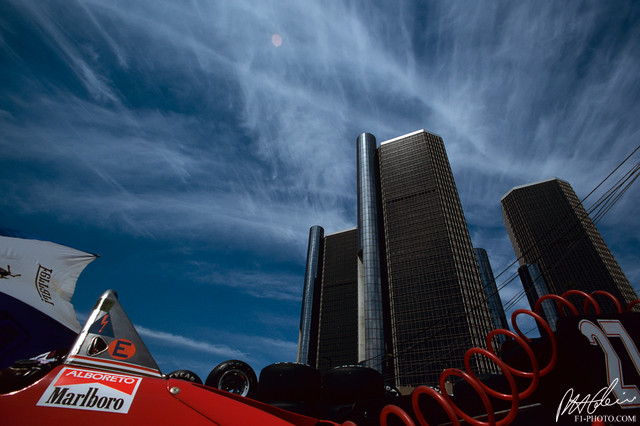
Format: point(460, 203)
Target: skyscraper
point(338, 313)
point(371, 338)
point(548, 226)
point(420, 299)
point(308, 338)
point(490, 288)
point(438, 306)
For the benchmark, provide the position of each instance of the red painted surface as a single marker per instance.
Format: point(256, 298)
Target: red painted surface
point(155, 401)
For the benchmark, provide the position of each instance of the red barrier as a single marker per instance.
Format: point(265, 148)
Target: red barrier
point(393, 409)
point(425, 390)
point(588, 300)
point(562, 302)
point(612, 298)
point(453, 411)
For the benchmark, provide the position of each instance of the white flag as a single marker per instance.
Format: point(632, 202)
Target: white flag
point(43, 275)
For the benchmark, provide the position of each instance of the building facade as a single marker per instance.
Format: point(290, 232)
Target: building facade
point(420, 300)
point(438, 307)
point(371, 337)
point(308, 336)
point(548, 226)
point(338, 306)
point(535, 288)
point(491, 289)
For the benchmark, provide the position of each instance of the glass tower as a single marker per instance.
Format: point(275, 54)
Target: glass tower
point(490, 288)
point(371, 340)
point(548, 226)
point(438, 307)
point(535, 288)
point(308, 336)
point(402, 292)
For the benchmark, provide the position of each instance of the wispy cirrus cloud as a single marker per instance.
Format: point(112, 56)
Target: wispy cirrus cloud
point(494, 91)
point(185, 343)
point(181, 124)
point(260, 284)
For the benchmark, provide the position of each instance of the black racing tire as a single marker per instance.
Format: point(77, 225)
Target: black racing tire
point(352, 383)
point(234, 376)
point(289, 382)
point(186, 375)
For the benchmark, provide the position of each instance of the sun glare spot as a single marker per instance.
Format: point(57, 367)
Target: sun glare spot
point(276, 40)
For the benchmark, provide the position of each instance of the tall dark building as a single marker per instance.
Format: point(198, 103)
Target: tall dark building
point(308, 338)
point(491, 289)
point(438, 306)
point(420, 299)
point(338, 313)
point(548, 226)
point(371, 337)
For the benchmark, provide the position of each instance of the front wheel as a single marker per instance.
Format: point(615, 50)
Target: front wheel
point(235, 377)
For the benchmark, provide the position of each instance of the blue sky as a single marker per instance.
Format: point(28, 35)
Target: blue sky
point(191, 150)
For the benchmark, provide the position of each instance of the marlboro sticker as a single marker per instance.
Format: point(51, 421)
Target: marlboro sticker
point(91, 390)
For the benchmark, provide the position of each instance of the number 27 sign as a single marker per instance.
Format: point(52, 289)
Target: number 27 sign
point(628, 395)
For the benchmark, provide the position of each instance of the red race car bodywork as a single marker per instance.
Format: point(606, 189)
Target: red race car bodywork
point(109, 377)
point(73, 395)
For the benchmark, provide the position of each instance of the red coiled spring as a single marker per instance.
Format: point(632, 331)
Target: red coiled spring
point(454, 412)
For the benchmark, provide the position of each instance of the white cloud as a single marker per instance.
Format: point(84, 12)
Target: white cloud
point(489, 79)
point(264, 285)
point(194, 125)
point(185, 343)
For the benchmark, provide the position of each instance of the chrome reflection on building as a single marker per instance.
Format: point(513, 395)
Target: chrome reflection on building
point(308, 336)
point(535, 288)
point(402, 293)
point(371, 344)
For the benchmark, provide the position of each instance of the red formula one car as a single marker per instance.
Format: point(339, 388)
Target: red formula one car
point(587, 372)
point(109, 377)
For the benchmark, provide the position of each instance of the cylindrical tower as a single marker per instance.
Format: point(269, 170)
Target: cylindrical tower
point(534, 288)
point(308, 337)
point(371, 347)
point(491, 289)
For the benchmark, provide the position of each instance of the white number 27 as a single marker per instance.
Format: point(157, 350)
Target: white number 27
point(628, 394)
